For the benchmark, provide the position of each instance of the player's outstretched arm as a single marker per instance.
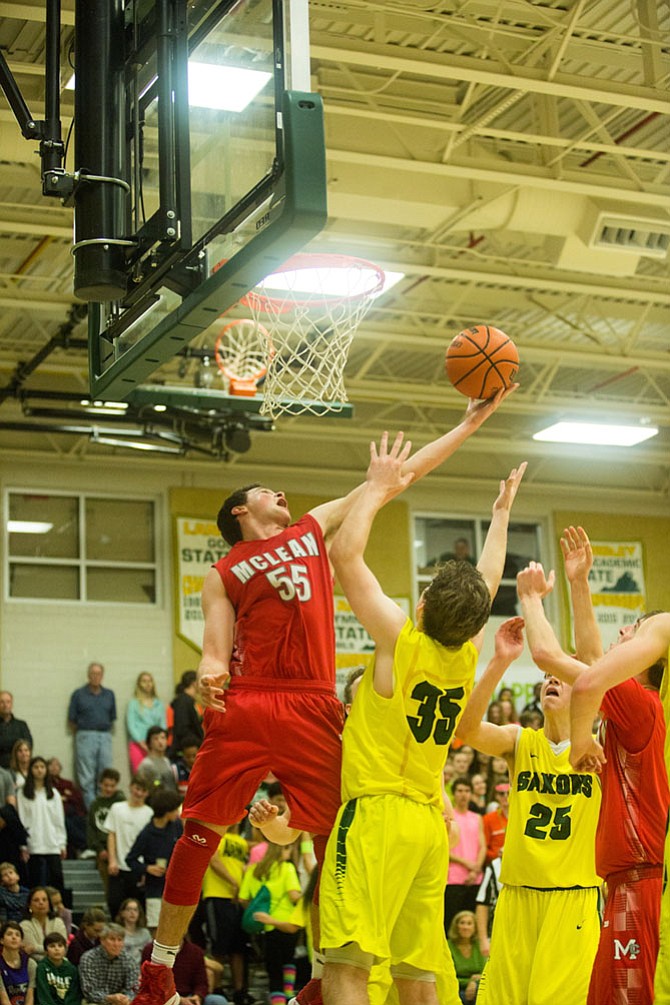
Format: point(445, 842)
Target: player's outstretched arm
point(331, 514)
point(378, 614)
point(532, 586)
point(273, 825)
point(578, 561)
point(649, 644)
point(498, 741)
point(492, 559)
point(217, 642)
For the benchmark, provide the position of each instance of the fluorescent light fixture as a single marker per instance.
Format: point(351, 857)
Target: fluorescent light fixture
point(28, 527)
point(595, 434)
point(147, 445)
point(105, 407)
point(225, 88)
point(329, 281)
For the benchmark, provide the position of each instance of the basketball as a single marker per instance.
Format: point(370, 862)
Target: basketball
point(481, 360)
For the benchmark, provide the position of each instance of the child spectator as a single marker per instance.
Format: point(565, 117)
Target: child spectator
point(152, 849)
point(13, 896)
point(92, 923)
point(59, 908)
point(478, 798)
point(145, 709)
point(41, 812)
point(155, 767)
point(96, 835)
point(133, 921)
point(41, 921)
point(184, 762)
point(123, 823)
point(57, 978)
point(17, 970)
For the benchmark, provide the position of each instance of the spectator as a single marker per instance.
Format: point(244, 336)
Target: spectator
point(13, 840)
point(508, 711)
point(187, 721)
point(109, 974)
point(478, 798)
point(41, 921)
point(13, 896)
point(535, 703)
point(91, 716)
point(184, 762)
point(466, 857)
point(145, 709)
point(487, 898)
point(498, 772)
point(57, 978)
point(495, 822)
point(19, 761)
point(59, 908)
point(155, 767)
point(73, 807)
point(468, 959)
point(92, 923)
point(132, 920)
point(124, 822)
point(96, 835)
point(17, 970)
point(152, 850)
point(190, 976)
point(494, 713)
point(41, 813)
point(7, 787)
point(11, 729)
point(223, 912)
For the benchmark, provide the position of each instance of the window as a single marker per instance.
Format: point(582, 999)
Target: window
point(85, 548)
point(437, 539)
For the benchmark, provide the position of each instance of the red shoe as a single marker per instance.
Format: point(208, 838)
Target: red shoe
point(310, 994)
point(156, 985)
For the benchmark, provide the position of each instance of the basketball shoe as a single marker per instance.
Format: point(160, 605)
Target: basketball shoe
point(156, 985)
point(310, 994)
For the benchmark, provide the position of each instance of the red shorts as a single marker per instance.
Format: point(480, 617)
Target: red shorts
point(623, 971)
point(296, 735)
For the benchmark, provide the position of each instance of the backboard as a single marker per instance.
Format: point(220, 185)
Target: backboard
point(222, 160)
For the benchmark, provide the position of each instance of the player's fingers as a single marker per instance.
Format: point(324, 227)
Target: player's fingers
point(397, 444)
point(551, 578)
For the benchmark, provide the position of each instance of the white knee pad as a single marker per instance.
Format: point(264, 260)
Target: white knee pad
point(406, 972)
point(350, 955)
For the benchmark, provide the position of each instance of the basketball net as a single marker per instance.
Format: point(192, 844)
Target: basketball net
point(311, 308)
point(241, 353)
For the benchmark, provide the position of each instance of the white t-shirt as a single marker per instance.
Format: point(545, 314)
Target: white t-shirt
point(125, 822)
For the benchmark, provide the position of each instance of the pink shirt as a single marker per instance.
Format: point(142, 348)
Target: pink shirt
point(468, 847)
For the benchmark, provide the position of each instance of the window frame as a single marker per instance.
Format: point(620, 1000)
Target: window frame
point(81, 562)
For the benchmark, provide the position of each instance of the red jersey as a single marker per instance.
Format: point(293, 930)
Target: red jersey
point(282, 590)
point(633, 814)
point(495, 827)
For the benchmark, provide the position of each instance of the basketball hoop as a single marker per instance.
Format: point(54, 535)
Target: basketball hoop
point(312, 307)
point(241, 352)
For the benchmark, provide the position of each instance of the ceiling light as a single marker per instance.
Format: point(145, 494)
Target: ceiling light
point(145, 445)
point(595, 434)
point(225, 88)
point(28, 527)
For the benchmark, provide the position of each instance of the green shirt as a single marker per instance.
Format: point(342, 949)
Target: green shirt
point(57, 985)
point(465, 966)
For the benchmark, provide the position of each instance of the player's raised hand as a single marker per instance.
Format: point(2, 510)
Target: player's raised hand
point(509, 488)
point(211, 690)
point(261, 812)
point(509, 639)
point(532, 581)
point(577, 553)
point(479, 411)
point(385, 471)
point(589, 756)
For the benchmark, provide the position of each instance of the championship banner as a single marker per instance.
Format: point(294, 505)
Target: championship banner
point(617, 586)
point(199, 546)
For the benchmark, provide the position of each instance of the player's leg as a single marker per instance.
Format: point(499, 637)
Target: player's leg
point(513, 942)
point(419, 990)
point(345, 976)
point(567, 942)
point(662, 979)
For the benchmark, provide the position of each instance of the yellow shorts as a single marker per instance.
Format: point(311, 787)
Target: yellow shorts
point(662, 979)
point(542, 947)
point(382, 883)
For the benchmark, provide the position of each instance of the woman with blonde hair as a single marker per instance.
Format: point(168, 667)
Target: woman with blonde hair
point(145, 709)
point(468, 959)
point(19, 762)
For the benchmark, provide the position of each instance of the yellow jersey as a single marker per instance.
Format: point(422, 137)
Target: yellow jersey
point(398, 745)
point(233, 851)
point(553, 815)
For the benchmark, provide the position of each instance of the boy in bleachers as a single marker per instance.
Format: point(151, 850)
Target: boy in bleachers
point(57, 981)
point(13, 896)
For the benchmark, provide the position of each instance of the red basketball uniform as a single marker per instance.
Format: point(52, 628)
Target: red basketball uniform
point(629, 845)
point(282, 712)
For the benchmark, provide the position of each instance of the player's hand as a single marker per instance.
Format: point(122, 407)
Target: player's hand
point(385, 471)
point(532, 582)
point(156, 870)
point(211, 690)
point(509, 488)
point(509, 640)
point(478, 411)
point(587, 757)
point(577, 553)
point(261, 812)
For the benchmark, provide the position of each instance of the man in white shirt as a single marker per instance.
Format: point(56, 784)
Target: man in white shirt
point(123, 823)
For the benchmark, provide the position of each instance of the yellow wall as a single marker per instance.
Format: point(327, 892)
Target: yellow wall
point(653, 532)
point(388, 554)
